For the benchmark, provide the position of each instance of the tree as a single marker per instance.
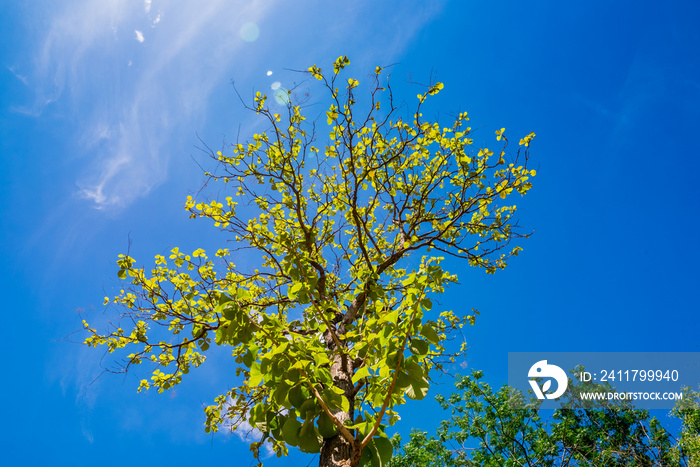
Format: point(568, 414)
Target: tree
point(688, 411)
point(487, 429)
point(334, 329)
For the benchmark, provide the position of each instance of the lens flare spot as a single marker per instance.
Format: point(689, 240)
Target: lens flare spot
point(281, 96)
point(249, 32)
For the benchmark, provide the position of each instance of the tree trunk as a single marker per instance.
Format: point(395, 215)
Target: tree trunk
point(338, 451)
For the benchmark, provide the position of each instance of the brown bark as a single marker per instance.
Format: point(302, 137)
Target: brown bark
point(338, 451)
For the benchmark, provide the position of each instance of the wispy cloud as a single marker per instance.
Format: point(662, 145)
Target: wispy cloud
point(19, 76)
point(132, 104)
point(129, 102)
point(249, 434)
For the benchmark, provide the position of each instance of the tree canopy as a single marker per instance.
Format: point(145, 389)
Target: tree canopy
point(332, 328)
point(486, 428)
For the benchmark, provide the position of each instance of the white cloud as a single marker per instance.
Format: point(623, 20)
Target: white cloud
point(87, 61)
point(153, 100)
point(20, 77)
point(246, 433)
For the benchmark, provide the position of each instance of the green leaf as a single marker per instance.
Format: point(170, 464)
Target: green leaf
point(309, 408)
point(392, 317)
point(256, 376)
point(249, 358)
point(417, 389)
point(419, 347)
point(359, 374)
point(403, 381)
point(309, 441)
point(303, 297)
point(230, 310)
point(277, 426)
point(326, 427)
point(409, 280)
point(220, 335)
point(381, 451)
point(290, 431)
point(321, 359)
point(429, 333)
point(413, 368)
point(223, 298)
point(281, 393)
point(121, 274)
point(294, 290)
point(242, 294)
point(297, 396)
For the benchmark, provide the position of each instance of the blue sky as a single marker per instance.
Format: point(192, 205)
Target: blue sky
point(102, 104)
